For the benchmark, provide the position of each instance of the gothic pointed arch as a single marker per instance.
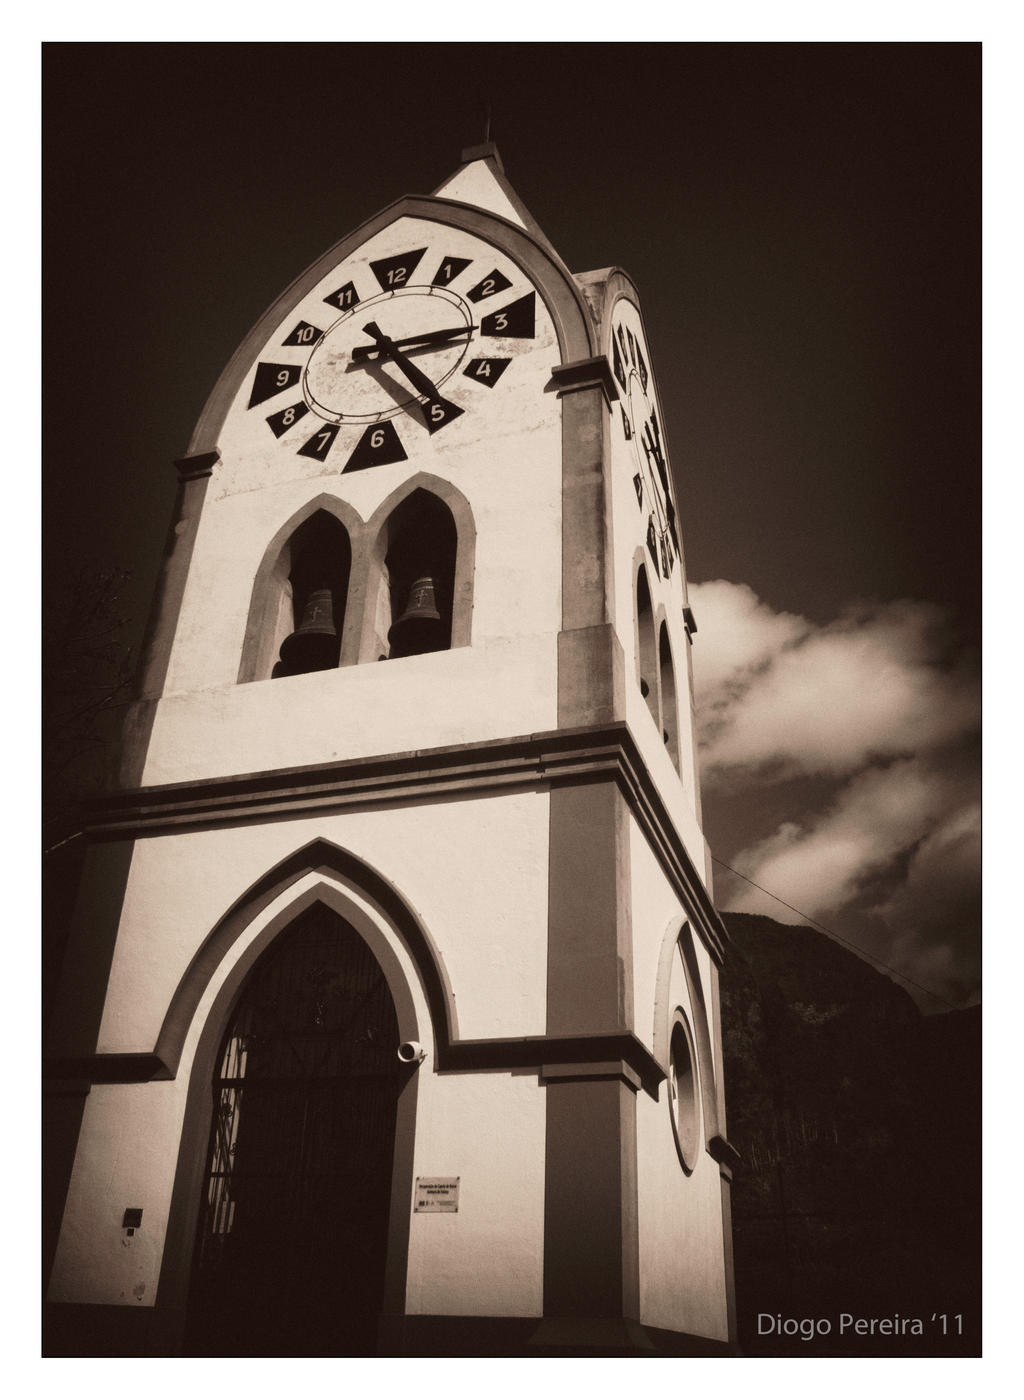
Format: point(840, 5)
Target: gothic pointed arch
point(313, 550)
point(574, 324)
point(319, 855)
point(667, 685)
point(320, 858)
point(306, 1086)
point(679, 942)
point(646, 653)
point(422, 530)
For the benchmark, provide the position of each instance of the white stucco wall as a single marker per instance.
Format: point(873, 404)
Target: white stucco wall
point(682, 1277)
point(503, 455)
point(506, 687)
point(656, 913)
point(475, 184)
point(487, 1260)
point(682, 1267)
point(487, 916)
point(474, 870)
point(628, 532)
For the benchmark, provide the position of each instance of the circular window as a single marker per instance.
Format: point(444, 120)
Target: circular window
point(682, 1092)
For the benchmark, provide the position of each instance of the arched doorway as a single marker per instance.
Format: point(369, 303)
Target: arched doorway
point(292, 1236)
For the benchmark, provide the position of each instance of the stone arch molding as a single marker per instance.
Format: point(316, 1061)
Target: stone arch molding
point(573, 322)
point(465, 558)
point(257, 649)
point(366, 540)
point(324, 872)
point(680, 935)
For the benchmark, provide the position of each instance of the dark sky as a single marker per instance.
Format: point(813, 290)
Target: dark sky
point(802, 221)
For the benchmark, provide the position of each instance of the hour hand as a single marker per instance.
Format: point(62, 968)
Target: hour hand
point(419, 381)
point(437, 410)
point(408, 342)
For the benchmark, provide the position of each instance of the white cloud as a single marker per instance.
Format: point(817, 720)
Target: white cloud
point(738, 633)
point(778, 693)
point(820, 865)
point(871, 702)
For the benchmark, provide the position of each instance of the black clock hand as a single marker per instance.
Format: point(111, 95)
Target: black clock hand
point(408, 342)
point(419, 381)
point(439, 411)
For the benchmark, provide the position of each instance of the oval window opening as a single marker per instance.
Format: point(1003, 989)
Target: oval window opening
point(683, 1093)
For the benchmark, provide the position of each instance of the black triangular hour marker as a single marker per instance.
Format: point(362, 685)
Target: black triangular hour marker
point(626, 428)
point(439, 412)
point(344, 298)
point(396, 271)
point(516, 319)
point(643, 368)
point(271, 379)
point(617, 364)
point(487, 371)
point(281, 422)
point(632, 346)
point(652, 543)
point(303, 334)
point(320, 443)
point(638, 487)
point(378, 446)
point(494, 282)
point(449, 270)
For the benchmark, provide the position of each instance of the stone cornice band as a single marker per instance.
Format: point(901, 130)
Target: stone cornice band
point(616, 1056)
point(556, 757)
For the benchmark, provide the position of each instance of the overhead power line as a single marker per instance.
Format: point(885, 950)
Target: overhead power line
point(854, 948)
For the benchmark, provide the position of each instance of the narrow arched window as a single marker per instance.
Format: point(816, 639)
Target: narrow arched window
point(669, 714)
point(420, 542)
point(313, 574)
point(647, 664)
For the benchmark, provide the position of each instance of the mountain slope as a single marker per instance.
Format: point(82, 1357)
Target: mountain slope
point(859, 1126)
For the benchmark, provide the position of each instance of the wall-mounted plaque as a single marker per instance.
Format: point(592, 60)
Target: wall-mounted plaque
point(436, 1193)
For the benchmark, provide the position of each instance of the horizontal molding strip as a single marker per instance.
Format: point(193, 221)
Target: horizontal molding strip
point(579, 1056)
point(555, 757)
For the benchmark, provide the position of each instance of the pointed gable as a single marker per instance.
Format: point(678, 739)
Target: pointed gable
point(480, 180)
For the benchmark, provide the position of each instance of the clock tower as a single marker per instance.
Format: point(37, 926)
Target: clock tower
point(389, 1022)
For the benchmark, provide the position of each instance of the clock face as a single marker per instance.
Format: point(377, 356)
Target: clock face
point(391, 348)
point(640, 419)
point(340, 387)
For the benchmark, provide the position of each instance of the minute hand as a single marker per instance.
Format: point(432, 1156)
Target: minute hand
point(419, 381)
point(363, 352)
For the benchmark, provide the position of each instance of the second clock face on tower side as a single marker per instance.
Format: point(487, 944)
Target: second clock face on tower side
point(640, 420)
point(391, 348)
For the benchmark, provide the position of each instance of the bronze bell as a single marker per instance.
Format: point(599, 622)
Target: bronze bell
point(314, 645)
point(420, 628)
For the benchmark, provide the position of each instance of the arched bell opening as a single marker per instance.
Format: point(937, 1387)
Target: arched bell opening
point(319, 560)
point(420, 542)
point(647, 665)
point(308, 554)
point(292, 1235)
point(669, 712)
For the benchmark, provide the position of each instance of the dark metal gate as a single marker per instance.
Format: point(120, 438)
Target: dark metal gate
point(293, 1231)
